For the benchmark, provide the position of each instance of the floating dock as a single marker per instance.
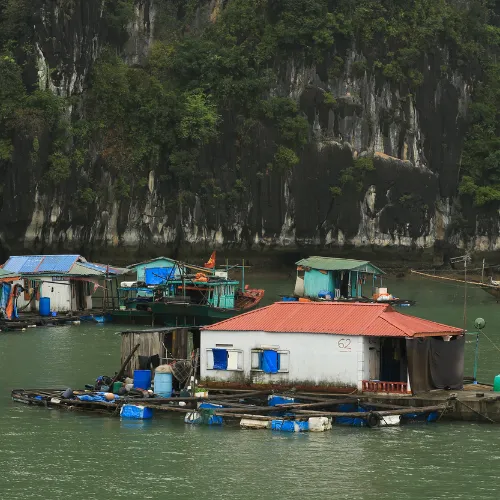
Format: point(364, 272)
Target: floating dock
point(255, 409)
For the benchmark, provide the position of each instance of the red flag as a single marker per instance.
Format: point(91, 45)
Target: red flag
point(211, 262)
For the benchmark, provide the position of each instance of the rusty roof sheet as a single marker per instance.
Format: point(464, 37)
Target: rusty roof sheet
point(378, 320)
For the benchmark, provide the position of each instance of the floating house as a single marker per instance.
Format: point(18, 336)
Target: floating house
point(335, 278)
point(154, 271)
point(68, 281)
point(332, 346)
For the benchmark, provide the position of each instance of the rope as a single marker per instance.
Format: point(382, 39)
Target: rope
point(445, 409)
point(493, 343)
point(478, 413)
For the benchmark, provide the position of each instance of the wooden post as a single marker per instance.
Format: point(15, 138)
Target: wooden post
point(243, 276)
point(112, 293)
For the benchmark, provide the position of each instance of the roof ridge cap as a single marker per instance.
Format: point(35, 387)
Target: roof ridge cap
point(386, 306)
point(395, 324)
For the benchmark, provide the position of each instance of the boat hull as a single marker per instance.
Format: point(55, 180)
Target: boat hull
point(495, 292)
point(185, 313)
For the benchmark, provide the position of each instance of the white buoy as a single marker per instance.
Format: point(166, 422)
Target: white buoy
point(390, 420)
point(320, 424)
point(247, 423)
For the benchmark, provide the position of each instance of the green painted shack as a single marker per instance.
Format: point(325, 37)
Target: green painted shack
point(332, 277)
point(157, 263)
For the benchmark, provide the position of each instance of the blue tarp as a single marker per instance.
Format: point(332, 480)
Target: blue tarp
point(5, 296)
point(220, 359)
point(270, 362)
point(158, 275)
point(352, 421)
point(96, 397)
point(279, 400)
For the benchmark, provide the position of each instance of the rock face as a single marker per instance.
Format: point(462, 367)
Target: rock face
point(406, 203)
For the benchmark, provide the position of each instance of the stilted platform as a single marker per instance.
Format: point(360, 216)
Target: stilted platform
point(31, 320)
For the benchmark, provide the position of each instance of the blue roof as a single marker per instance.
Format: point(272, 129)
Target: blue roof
point(57, 263)
point(102, 268)
point(95, 267)
point(40, 263)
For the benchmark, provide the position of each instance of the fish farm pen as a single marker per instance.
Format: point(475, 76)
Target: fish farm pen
point(255, 409)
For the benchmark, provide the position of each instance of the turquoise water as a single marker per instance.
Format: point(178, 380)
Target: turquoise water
point(55, 454)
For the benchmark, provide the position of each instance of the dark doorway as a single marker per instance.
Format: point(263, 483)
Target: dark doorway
point(344, 285)
point(393, 360)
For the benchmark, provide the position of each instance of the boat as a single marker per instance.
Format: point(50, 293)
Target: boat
point(183, 294)
point(493, 288)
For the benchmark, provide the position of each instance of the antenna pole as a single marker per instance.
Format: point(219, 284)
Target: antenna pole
point(465, 258)
point(465, 294)
point(476, 355)
point(243, 276)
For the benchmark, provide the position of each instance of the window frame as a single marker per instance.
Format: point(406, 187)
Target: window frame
point(240, 352)
point(279, 351)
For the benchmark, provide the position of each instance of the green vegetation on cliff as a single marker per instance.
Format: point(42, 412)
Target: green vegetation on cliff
point(162, 115)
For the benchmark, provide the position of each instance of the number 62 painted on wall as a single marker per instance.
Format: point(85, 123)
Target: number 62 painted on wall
point(344, 344)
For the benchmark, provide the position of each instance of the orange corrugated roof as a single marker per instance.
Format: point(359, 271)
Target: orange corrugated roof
point(340, 318)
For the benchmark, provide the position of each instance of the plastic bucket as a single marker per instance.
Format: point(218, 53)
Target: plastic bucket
point(117, 386)
point(142, 379)
point(163, 384)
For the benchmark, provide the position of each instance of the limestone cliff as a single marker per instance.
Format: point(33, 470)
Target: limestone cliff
point(407, 200)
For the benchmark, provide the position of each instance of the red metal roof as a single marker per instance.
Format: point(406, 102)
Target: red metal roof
point(340, 318)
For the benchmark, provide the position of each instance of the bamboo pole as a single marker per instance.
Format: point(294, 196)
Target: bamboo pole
point(452, 279)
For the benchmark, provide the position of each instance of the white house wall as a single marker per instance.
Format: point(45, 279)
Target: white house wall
point(315, 359)
point(59, 293)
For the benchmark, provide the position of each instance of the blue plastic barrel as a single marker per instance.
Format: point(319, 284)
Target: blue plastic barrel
point(163, 384)
point(44, 306)
point(142, 379)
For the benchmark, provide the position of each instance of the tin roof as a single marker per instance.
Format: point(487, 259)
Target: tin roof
point(35, 264)
point(133, 266)
point(83, 270)
point(338, 264)
point(74, 265)
point(338, 318)
point(7, 275)
point(103, 268)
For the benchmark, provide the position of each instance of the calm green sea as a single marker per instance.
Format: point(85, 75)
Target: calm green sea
point(50, 454)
